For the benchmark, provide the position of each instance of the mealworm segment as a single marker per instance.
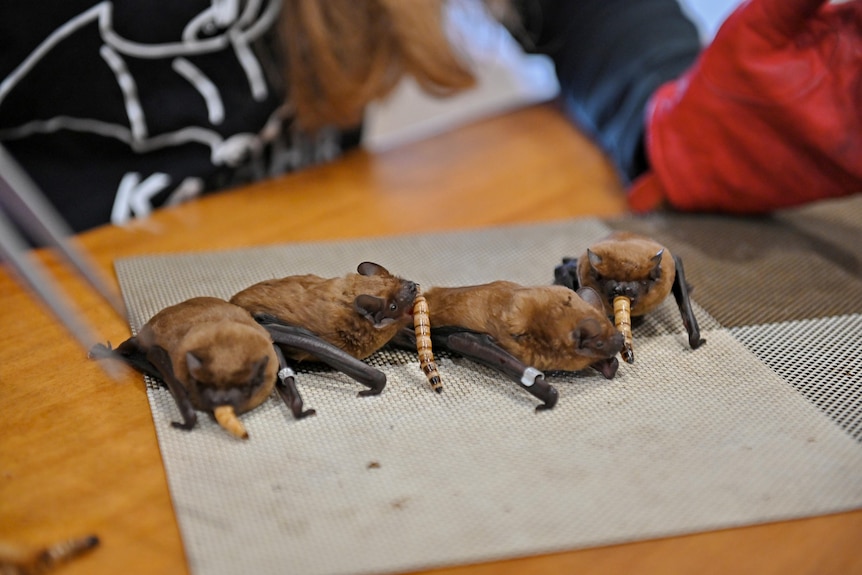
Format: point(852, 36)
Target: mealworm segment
point(226, 417)
point(422, 328)
point(623, 323)
point(14, 560)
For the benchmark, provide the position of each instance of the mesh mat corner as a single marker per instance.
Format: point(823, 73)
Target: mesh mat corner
point(760, 424)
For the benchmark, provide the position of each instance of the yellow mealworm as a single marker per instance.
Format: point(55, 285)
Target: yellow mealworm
point(623, 323)
point(17, 561)
point(422, 328)
point(226, 417)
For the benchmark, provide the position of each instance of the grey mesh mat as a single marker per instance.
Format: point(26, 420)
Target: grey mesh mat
point(762, 423)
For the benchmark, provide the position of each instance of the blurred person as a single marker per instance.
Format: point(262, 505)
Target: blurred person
point(117, 107)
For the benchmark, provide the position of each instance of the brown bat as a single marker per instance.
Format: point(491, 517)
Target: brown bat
point(521, 330)
point(17, 560)
point(548, 327)
point(634, 274)
point(358, 313)
point(212, 356)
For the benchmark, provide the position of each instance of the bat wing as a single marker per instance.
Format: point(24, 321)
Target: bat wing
point(299, 338)
point(680, 291)
point(484, 350)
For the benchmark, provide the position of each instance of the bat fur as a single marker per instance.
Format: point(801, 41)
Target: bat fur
point(547, 327)
point(358, 313)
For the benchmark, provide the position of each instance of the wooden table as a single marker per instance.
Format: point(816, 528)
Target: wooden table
point(78, 452)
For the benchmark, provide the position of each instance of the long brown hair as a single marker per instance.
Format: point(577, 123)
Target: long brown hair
point(341, 54)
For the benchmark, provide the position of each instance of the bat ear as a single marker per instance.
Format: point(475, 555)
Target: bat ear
point(655, 272)
point(595, 259)
point(370, 307)
point(194, 364)
point(260, 369)
point(372, 269)
point(592, 297)
point(586, 331)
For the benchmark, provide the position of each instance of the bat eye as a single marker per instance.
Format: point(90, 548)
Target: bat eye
point(393, 307)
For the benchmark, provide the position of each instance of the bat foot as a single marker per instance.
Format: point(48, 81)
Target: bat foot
point(696, 342)
point(298, 412)
point(185, 426)
point(550, 400)
point(376, 381)
point(545, 392)
point(100, 351)
point(438, 389)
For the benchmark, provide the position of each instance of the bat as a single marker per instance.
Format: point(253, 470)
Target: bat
point(15, 560)
point(521, 331)
point(548, 327)
point(634, 274)
point(357, 314)
point(422, 331)
point(213, 357)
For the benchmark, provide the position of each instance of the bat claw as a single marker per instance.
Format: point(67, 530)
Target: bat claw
point(369, 392)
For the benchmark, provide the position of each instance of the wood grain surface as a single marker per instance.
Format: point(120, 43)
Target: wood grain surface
point(78, 453)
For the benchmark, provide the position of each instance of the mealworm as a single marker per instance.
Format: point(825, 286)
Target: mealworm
point(226, 417)
point(623, 323)
point(18, 561)
point(422, 328)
